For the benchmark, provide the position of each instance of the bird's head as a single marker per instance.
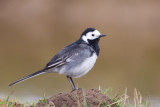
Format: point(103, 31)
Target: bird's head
point(91, 34)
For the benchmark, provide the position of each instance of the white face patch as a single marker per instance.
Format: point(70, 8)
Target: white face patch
point(91, 36)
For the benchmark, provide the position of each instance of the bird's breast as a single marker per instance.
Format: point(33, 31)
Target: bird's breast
point(84, 67)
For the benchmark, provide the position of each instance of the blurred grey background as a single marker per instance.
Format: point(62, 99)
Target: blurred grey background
point(33, 31)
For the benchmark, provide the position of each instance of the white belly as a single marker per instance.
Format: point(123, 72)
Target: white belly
point(83, 68)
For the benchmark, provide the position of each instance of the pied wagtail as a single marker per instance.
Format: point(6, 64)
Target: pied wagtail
point(74, 60)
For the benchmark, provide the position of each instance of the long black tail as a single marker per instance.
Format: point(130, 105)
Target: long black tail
point(29, 76)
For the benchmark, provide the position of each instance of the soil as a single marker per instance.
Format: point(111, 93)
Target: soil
point(76, 99)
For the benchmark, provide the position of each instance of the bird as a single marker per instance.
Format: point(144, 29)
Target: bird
point(74, 60)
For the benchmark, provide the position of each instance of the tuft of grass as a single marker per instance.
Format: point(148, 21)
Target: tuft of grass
point(138, 100)
point(6, 103)
point(121, 99)
point(107, 92)
point(43, 101)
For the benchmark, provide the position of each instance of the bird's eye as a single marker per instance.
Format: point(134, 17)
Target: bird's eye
point(92, 34)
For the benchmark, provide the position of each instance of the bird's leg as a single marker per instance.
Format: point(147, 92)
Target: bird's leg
point(71, 82)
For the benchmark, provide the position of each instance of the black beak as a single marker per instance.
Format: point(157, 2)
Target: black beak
point(102, 35)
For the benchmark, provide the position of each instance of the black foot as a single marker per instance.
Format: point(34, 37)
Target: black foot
point(74, 89)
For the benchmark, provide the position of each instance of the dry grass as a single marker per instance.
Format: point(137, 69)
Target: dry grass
point(121, 99)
